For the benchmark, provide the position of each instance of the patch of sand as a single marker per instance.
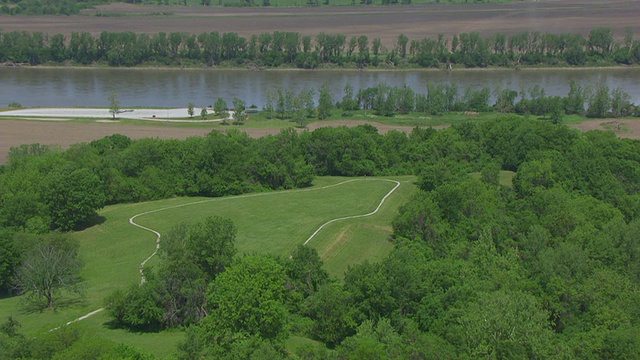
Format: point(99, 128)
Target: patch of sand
point(624, 128)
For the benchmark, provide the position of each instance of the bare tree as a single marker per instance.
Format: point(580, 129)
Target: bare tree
point(50, 268)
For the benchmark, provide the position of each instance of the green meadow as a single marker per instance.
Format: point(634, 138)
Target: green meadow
point(267, 223)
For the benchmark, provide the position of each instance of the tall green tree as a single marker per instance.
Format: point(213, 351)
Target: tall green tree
point(575, 100)
point(138, 307)
point(9, 260)
point(599, 103)
point(505, 99)
point(401, 45)
point(270, 104)
point(306, 96)
point(114, 104)
point(247, 300)
point(193, 255)
point(176, 294)
point(620, 104)
point(506, 325)
point(325, 103)
point(333, 315)
point(239, 114)
point(305, 271)
point(349, 103)
point(601, 41)
point(191, 109)
point(220, 107)
point(556, 109)
point(210, 244)
point(73, 197)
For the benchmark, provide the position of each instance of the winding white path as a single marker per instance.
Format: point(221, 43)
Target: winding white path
point(78, 319)
point(158, 235)
point(357, 216)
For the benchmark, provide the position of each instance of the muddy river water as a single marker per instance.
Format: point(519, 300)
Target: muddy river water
point(47, 87)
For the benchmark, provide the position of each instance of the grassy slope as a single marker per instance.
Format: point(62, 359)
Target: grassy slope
point(273, 223)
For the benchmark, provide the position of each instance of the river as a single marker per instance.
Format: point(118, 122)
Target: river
point(70, 87)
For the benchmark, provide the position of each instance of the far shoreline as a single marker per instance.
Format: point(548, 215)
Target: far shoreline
point(320, 69)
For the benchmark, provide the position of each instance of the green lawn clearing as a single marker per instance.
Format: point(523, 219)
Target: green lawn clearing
point(271, 223)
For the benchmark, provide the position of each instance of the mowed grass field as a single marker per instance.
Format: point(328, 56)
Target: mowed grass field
point(267, 223)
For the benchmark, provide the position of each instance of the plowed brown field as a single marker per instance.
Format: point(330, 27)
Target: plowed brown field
point(15, 132)
point(624, 128)
point(572, 16)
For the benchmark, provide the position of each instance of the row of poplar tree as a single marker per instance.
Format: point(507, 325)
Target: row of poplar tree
point(273, 49)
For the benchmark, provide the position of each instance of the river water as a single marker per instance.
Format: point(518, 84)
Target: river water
point(40, 87)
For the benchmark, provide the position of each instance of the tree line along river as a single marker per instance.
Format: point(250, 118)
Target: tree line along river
point(74, 87)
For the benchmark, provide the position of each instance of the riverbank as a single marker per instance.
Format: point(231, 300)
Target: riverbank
point(66, 126)
point(147, 114)
point(321, 68)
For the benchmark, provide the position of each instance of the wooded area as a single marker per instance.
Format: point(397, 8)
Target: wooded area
point(546, 268)
point(292, 49)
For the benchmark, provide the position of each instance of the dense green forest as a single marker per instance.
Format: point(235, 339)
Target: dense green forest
point(546, 268)
point(324, 50)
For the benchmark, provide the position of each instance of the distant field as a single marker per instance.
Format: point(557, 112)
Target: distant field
point(386, 22)
point(268, 223)
point(18, 131)
point(321, 3)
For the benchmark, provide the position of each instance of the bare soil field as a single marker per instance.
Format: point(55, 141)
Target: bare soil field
point(624, 128)
point(15, 132)
point(550, 16)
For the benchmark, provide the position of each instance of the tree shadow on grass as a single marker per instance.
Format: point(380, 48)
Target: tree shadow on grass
point(6, 294)
point(32, 305)
point(93, 221)
point(114, 324)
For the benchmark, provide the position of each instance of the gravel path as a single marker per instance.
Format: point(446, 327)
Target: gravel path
point(173, 115)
